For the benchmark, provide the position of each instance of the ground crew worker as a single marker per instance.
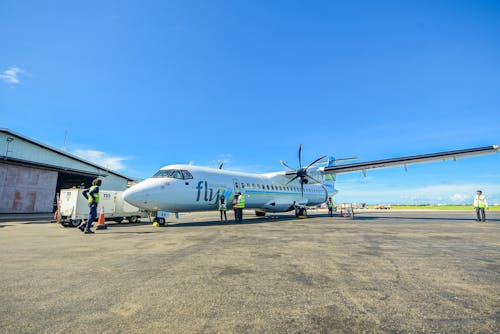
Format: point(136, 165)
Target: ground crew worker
point(234, 203)
point(480, 204)
point(330, 206)
point(240, 206)
point(92, 196)
point(222, 207)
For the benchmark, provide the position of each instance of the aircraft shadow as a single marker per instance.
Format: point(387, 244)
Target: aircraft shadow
point(142, 223)
point(279, 218)
point(252, 221)
point(125, 232)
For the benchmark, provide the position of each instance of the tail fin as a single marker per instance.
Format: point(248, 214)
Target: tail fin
point(329, 182)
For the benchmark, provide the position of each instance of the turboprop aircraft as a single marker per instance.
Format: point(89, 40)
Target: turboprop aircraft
point(187, 188)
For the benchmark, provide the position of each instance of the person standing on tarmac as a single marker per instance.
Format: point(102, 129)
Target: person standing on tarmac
point(222, 207)
point(480, 204)
point(234, 203)
point(330, 206)
point(92, 196)
point(240, 206)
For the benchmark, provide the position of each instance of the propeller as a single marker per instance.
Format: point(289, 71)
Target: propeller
point(301, 172)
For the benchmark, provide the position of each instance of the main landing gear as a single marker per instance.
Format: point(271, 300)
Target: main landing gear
point(300, 212)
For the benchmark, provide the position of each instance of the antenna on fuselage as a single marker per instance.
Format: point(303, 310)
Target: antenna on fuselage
point(221, 164)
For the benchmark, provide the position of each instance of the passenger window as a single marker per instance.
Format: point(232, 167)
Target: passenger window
point(236, 184)
point(267, 186)
point(253, 185)
point(187, 175)
point(242, 185)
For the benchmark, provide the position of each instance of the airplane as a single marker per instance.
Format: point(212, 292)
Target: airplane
point(189, 188)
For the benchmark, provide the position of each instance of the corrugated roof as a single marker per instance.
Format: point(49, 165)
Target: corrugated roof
point(66, 154)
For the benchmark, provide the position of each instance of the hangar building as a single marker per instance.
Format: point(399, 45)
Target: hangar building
point(32, 173)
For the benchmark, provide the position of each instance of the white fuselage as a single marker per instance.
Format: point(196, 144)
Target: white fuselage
point(184, 188)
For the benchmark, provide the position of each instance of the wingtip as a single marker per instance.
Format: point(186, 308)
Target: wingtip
point(496, 147)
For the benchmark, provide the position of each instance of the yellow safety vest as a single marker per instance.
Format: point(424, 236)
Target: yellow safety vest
point(480, 201)
point(241, 202)
point(95, 195)
point(330, 204)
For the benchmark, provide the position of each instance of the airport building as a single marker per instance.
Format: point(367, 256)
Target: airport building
point(32, 173)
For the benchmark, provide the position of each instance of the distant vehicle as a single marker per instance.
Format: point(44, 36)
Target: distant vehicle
point(186, 188)
point(382, 207)
point(74, 209)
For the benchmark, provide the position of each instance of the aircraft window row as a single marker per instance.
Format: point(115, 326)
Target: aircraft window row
point(174, 173)
point(276, 187)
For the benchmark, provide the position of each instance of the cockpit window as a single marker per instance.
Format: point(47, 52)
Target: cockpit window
point(187, 175)
point(176, 174)
point(173, 173)
point(163, 173)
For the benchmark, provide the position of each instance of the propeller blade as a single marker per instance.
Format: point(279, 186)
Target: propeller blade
point(221, 164)
point(315, 161)
point(292, 179)
point(285, 165)
point(312, 178)
point(319, 162)
point(302, 188)
point(300, 156)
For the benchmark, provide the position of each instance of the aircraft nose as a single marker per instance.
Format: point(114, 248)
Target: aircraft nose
point(142, 195)
point(133, 196)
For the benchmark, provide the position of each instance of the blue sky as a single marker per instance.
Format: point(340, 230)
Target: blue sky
point(142, 84)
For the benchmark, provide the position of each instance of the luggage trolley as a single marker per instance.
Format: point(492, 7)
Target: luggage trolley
point(347, 210)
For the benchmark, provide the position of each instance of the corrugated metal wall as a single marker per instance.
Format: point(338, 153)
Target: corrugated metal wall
point(26, 190)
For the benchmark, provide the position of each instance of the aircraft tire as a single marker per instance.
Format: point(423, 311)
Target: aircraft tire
point(260, 213)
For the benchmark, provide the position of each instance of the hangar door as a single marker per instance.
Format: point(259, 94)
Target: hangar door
point(26, 189)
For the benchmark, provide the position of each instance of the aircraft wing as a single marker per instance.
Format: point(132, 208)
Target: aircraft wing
point(413, 159)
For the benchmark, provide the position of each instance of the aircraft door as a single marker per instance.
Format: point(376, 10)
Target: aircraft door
point(236, 186)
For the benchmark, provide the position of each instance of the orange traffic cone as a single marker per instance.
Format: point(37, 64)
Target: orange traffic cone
point(101, 222)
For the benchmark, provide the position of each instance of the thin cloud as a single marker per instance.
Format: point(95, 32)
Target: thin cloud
point(449, 193)
point(102, 159)
point(11, 75)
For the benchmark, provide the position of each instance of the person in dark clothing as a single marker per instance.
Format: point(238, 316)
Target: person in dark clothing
point(92, 196)
point(222, 207)
point(235, 207)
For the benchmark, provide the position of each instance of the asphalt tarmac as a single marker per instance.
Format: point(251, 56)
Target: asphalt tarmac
point(387, 272)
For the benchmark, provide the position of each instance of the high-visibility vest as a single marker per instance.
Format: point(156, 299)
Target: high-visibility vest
point(95, 195)
point(241, 202)
point(480, 201)
point(330, 204)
